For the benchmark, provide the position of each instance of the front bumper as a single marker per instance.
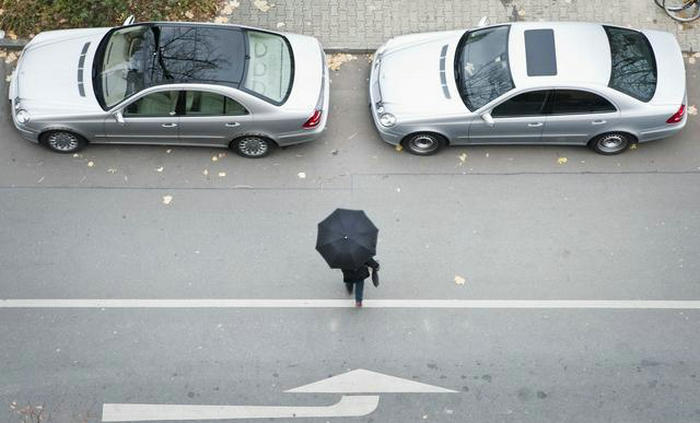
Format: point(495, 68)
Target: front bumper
point(26, 133)
point(389, 135)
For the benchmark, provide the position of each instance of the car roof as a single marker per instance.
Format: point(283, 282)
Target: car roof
point(581, 50)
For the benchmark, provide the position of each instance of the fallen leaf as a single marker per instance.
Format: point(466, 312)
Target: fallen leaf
point(691, 60)
point(301, 175)
point(692, 110)
point(205, 172)
point(230, 7)
point(222, 174)
point(76, 155)
point(159, 169)
point(189, 14)
point(460, 280)
point(280, 24)
point(111, 170)
point(262, 5)
point(398, 147)
point(40, 180)
point(220, 19)
point(335, 61)
point(220, 155)
point(562, 160)
point(214, 158)
point(168, 151)
point(167, 199)
point(91, 163)
point(633, 147)
point(463, 157)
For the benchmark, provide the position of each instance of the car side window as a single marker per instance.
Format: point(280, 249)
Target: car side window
point(525, 104)
point(156, 104)
point(579, 102)
point(203, 103)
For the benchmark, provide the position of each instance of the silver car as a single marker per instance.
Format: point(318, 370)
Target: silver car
point(171, 83)
point(558, 83)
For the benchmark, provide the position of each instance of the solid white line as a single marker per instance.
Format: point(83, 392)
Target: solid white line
point(348, 406)
point(321, 303)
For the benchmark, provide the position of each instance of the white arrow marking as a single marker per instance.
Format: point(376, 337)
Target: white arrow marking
point(348, 406)
point(362, 381)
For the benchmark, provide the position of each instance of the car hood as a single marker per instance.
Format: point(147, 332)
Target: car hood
point(47, 73)
point(417, 78)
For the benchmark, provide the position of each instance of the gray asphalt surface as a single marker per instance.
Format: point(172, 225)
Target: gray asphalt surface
point(511, 220)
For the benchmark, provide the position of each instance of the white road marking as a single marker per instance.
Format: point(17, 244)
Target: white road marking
point(348, 406)
point(324, 303)
point(361, 381)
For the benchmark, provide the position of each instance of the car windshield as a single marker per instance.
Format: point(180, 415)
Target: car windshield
point(482, 71)
point(633, 64)
point(137, 57)
point(269, 72)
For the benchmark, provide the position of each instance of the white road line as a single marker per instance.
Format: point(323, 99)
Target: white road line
point(327, 303)
point(348, 406)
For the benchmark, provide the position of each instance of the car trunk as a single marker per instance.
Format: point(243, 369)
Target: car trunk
point(670, 69)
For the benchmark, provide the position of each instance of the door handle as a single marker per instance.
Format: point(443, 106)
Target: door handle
point(599, 122)
point(535, 124)
point(231, 124)
point(169, 125)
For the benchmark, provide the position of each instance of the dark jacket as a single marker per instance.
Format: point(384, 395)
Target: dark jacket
point(361, 273)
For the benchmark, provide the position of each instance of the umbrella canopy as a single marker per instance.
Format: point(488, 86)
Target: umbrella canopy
point(347, 239)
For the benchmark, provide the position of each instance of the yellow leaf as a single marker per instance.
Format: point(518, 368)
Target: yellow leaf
point(398, 147)
point(460, 280)
point(562, 160)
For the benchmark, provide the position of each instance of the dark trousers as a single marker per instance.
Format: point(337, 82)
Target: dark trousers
point(359, 288)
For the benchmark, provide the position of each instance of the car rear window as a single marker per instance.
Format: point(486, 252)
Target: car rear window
point(633, 63)
point(270, 66)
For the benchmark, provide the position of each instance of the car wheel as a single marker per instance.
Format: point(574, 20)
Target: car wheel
point(63, 141)
point(252, 147)
point(611, 143)
point(423, 144)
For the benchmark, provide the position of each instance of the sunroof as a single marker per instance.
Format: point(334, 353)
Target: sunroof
point(539, 52)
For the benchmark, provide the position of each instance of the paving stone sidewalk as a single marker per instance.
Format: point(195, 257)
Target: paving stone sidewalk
point(366, 24)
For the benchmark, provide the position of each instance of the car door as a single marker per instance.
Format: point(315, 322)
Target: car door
point(519, 119)
point(211, 118)
point(150, 119)
point(575, 116)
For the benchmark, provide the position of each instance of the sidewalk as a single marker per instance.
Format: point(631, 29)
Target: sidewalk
point(366, 24)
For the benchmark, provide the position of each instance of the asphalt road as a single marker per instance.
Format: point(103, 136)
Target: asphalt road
point(512, 221)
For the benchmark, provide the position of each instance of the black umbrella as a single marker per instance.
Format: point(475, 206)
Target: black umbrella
point(347, 239)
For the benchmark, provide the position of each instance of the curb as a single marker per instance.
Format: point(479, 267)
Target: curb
point(10, 44)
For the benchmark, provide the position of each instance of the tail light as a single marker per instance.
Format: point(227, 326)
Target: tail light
point(678, 116)
point(314, 120)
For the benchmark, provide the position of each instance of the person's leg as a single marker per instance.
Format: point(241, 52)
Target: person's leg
point(359, 288)
point(348, 286)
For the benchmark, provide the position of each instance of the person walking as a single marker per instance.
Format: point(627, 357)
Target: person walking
point(355, 278)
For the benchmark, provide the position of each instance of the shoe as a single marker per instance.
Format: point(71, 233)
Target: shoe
point(348, 287)
point(358, 304)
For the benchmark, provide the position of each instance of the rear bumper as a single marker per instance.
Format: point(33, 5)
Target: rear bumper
point(665, 132)
point(306, 135)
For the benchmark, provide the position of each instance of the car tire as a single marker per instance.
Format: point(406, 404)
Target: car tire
point(64, 142)
point(424, 143)
point(252, 147)
point(611, 143)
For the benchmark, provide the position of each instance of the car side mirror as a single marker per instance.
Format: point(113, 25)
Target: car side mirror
point(119, 116)
point(488, 119)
